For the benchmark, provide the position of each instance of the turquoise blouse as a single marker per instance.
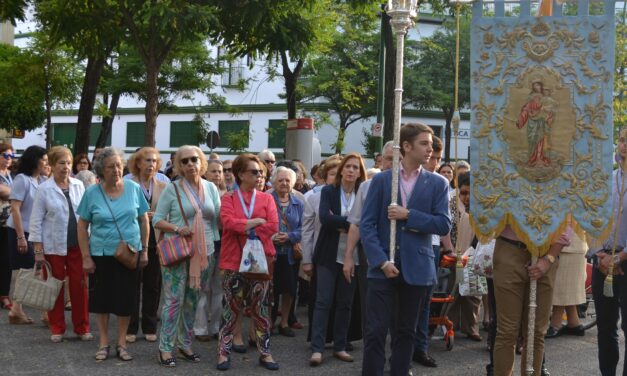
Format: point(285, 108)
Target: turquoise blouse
point(104, 236)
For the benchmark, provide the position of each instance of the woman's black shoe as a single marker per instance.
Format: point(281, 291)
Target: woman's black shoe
point(552, 332)
point(271, 366)
point(170, 362)
point(224, 365)
point(574, 331)
point(193, 357)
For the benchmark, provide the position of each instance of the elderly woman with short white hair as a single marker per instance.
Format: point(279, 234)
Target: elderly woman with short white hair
point(286, 241)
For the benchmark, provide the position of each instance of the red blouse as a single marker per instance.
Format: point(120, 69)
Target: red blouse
point(234, 222)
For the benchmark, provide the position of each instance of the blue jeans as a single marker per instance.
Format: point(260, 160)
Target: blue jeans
point(382, 294)
point(422, 329)
point(331, 283)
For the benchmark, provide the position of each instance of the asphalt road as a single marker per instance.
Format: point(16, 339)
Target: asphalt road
point(27, 350)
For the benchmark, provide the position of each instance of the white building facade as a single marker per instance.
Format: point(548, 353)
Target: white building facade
point(259, 111)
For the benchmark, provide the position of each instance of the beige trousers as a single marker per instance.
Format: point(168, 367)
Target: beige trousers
point(511, 288)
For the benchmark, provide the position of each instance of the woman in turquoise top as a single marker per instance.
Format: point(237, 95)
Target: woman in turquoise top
point(112, 286)
point(181, 283)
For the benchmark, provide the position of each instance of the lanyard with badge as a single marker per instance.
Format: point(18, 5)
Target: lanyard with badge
point(248, 212)
point(347, 204)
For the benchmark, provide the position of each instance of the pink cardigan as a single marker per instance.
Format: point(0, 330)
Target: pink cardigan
point(234, 222)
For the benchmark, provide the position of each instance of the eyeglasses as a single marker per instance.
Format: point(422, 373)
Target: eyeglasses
point(228, 170)
point(269, 161)
point(256, 172)
point(192, 159)
point(8, 155)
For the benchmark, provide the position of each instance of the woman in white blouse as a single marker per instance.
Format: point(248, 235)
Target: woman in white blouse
point(53, 233)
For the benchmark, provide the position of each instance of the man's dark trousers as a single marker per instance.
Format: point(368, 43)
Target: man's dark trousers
point(607, 310)
point(382, 294)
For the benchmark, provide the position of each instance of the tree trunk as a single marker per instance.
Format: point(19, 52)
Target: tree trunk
point(88, 99)
point(107, 121)
point(448, 114)
point(390, 79)
point(291, 80)
point(152, 102)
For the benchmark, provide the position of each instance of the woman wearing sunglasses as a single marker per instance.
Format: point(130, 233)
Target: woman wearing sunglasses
point(6, 158)
point(182, 282)
point(246, 212)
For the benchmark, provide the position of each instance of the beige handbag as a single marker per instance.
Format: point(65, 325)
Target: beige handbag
point(33, 291)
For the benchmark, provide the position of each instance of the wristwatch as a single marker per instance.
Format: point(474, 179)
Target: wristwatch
point(550, 258)
point(616, 260)
point(176, 230)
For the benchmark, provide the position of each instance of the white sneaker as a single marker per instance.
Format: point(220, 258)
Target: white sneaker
point(131, 338)
point(56, 338)
point(86, 336)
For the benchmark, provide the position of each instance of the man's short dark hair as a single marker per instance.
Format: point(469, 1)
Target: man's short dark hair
point(410, 131)
point(437, 144)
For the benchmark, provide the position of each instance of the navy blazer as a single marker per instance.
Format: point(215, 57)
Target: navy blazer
point(331, 219)
point(428, 214)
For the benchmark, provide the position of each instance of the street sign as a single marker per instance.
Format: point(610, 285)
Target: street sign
point(213, 139)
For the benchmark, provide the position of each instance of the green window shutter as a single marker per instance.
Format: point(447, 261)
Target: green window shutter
point(183, 133)
point(64, 134)
point(276, 134)
point(135, 133)
point(228, 127)
point(94, 131)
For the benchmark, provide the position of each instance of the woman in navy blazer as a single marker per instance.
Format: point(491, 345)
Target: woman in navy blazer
point(335, 203)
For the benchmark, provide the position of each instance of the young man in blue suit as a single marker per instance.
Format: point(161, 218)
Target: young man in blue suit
point(399, 289)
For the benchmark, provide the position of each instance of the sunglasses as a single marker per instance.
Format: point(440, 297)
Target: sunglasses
point(8, 155)
point(268, 161)
point(228, 170)
point(192, 159)
point(256, 172)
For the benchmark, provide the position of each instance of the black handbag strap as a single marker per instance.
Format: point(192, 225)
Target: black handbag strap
point(111, 211)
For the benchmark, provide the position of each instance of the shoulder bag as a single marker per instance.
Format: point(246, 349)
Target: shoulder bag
point(176, 248)
point(125, 253)
point(35, 292)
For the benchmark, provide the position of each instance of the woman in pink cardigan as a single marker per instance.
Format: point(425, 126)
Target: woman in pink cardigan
point(246, 212)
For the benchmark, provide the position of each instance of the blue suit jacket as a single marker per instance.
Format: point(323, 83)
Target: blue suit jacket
point(428, 214)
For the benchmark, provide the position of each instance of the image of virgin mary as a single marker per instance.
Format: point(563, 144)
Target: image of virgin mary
point(538, 114)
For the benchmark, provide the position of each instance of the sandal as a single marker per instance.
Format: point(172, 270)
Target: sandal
point(103, 353)
point(170, 362)
point(19, 320)
point(5, 302)
point(123, 354)
point(193, 357)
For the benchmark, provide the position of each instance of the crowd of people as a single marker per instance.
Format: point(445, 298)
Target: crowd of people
point(325, 234)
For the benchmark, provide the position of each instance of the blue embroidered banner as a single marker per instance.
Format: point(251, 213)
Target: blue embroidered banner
point(542, 129)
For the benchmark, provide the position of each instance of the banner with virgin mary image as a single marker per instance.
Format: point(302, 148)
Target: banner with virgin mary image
point(542, 129)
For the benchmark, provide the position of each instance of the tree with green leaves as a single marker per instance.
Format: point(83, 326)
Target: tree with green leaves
point(346, 75)
point(92, 29)
point(156, 28)
point(61, 74)
point(430, 81)
point(188, 69)
point(13, 11)
point(284, 30)
point(21, 85)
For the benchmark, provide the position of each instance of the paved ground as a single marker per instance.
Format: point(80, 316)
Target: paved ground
point(27, 350)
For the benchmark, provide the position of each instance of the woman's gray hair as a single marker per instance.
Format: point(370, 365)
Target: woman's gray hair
point(290, 173)
point(107, 152)
point(87, 177)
